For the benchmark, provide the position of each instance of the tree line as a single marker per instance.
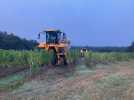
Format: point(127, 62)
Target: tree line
point(131, 47)
point(107, 49)
point(11, 41)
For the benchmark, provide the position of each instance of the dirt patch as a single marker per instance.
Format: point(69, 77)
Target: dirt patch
point(109, 82)
point(11, 70)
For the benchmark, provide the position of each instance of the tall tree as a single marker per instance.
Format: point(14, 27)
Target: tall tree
point(11, 41)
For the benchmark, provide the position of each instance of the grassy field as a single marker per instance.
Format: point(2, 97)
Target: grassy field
point(112, 82)
point(12, 58)
point(33, 60)
point(93, 58)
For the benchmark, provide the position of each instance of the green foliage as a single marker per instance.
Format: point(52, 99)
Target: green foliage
point(12, 58)
point(10, 41)
point(93, 58)
point(35, 59)
point(73, 55)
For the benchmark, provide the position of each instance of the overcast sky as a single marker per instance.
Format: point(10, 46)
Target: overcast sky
point(86, 22)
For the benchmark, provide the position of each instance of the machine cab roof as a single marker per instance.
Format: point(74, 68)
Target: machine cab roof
point(51, 30)
point(54, 36)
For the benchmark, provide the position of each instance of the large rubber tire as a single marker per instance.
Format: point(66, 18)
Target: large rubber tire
point(53, 57)
point(65, 61)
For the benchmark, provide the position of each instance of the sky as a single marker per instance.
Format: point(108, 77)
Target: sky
point(86, 22)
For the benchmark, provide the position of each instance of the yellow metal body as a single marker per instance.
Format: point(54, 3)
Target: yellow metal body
point(53, 46)
point(56, 47)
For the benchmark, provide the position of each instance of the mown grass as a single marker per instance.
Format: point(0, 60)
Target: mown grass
point(112, 81)
point(11, 82)
point(112, 87)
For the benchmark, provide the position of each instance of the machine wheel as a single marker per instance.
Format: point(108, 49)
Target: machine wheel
point(65, 60)
point(53, 57)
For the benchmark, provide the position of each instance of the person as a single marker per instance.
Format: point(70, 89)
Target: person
point(83, 51)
